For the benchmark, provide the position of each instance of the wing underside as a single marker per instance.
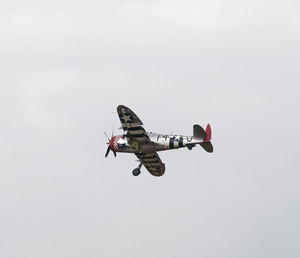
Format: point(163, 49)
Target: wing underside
point(132, 125)
point(152, 163)
point(136, 136)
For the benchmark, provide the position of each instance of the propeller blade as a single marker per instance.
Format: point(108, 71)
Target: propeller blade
point(112, 133)
point(106, 136)
point(109, 140)
point(107, 151)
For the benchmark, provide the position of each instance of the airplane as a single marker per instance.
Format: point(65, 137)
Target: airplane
point(145, 145)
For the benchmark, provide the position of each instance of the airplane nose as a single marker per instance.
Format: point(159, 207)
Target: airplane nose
point(112, 143)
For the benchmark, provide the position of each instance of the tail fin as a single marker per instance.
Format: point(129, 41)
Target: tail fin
point(208, 133)
point(206, 144)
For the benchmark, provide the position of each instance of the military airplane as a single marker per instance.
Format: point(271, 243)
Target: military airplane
point(145, 145)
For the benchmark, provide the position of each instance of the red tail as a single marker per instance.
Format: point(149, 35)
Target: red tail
point(208, 133)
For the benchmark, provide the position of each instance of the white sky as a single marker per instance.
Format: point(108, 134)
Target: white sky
point(64, 68)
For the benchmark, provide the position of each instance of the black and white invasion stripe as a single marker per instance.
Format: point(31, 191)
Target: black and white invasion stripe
point(152, 163)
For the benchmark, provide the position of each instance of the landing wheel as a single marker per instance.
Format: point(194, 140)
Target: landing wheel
point(136, 172)
point(190, 147)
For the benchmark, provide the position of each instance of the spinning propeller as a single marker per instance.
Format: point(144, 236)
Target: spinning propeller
point(109, 141)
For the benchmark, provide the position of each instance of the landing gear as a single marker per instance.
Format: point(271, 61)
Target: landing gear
point(137, 170)
point(191, 146)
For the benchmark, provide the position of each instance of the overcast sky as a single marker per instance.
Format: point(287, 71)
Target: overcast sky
point(66, 65)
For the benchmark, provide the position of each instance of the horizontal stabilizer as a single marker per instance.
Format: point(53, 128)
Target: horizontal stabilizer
point(199, 132)
point(207, 146)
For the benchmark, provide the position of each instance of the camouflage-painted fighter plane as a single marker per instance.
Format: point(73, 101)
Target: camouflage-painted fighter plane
point(145, 145)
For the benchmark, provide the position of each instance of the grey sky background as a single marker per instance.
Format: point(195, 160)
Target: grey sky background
point(66, 65)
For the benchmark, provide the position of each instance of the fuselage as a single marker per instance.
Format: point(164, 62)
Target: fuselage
point(159, 142)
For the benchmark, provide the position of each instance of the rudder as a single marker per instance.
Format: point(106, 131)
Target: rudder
point(206, 144)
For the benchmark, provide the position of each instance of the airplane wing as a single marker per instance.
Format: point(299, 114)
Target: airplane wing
point(131, 124)
point(136, 135)
point(152, 163)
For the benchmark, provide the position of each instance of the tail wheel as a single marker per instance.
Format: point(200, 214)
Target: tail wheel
point(191, 146)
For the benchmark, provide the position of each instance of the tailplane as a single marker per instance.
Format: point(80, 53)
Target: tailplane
point(199, 132)
point(207, 146)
